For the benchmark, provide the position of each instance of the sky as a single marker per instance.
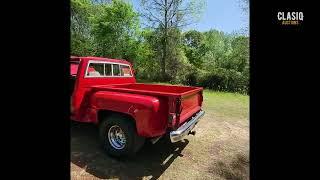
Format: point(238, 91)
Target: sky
point(223, 15)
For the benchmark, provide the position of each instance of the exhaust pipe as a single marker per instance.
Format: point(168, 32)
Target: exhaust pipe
point(154, 140)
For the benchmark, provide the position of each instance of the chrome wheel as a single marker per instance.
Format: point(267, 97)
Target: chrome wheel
point(117, 138)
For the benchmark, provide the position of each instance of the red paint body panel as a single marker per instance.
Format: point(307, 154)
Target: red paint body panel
point(150, 106)
point(144, 109)
point(74, 69)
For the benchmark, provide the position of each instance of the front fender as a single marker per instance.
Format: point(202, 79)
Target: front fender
point(144, 110)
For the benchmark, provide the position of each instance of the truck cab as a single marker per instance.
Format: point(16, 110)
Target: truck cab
point(105, 92)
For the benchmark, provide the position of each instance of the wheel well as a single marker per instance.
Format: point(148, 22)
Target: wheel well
point(106, 113)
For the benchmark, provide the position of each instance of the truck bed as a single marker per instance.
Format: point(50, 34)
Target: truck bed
point(191, 97)
point(152, 89)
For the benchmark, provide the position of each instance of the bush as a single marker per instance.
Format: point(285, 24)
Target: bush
point(225, 80)
point(191, 79)
point(219, 79)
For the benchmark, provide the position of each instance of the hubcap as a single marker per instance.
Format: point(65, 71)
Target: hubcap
point(116, 137)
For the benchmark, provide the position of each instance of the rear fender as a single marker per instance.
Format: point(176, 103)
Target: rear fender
point(142, 108)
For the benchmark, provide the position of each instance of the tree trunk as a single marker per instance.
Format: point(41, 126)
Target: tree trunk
point(163, 59)
point(164, 43)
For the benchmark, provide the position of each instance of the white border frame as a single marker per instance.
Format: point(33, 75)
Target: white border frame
point(104, 68)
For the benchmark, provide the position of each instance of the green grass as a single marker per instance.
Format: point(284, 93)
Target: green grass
point(230, 105)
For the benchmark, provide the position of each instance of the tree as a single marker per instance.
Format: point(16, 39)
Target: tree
point(240, 53)
point(194, 47)
point(147, 66)
point(244, 5)
point(101, 1)
point(168, 16)
point(217, 46)
point(115, 29)
point(111, 28)
point(81, 38)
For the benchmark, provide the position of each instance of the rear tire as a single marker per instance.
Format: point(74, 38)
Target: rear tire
point(118, 136)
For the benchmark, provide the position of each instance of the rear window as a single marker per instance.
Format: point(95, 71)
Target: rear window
point(102, 69)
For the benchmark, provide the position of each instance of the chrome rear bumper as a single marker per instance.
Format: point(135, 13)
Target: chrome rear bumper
point(184, 130)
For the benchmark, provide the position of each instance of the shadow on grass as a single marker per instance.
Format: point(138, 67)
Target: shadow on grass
point(238, 169)
point(151, 160)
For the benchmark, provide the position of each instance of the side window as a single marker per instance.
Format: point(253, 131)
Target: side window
point(108, 70)
point(95, 69)
point(125, 70)
point(116, 69)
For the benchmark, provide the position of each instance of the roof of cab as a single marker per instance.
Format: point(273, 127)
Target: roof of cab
point(75, 58)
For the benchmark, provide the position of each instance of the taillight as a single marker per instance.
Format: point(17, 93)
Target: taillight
point(178, 112)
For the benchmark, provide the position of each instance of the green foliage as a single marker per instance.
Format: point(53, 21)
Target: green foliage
point(148, 62)
point(108, 29)
point(81, 38)
point(114, 29)
point(211, 59)
point(223, 63)
point(194, 47)
point(224, 80)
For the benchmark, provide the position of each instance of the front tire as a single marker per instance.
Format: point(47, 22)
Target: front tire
point(118, 136)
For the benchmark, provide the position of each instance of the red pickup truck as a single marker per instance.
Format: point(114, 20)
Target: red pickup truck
point(105, 92)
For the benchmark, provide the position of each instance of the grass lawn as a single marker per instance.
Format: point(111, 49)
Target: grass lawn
point(231, 105)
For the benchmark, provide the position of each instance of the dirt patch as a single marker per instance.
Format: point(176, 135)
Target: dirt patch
point(89, 161)
point(237, 169)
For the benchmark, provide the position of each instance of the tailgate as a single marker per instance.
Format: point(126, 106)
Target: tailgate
point(190, 104)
